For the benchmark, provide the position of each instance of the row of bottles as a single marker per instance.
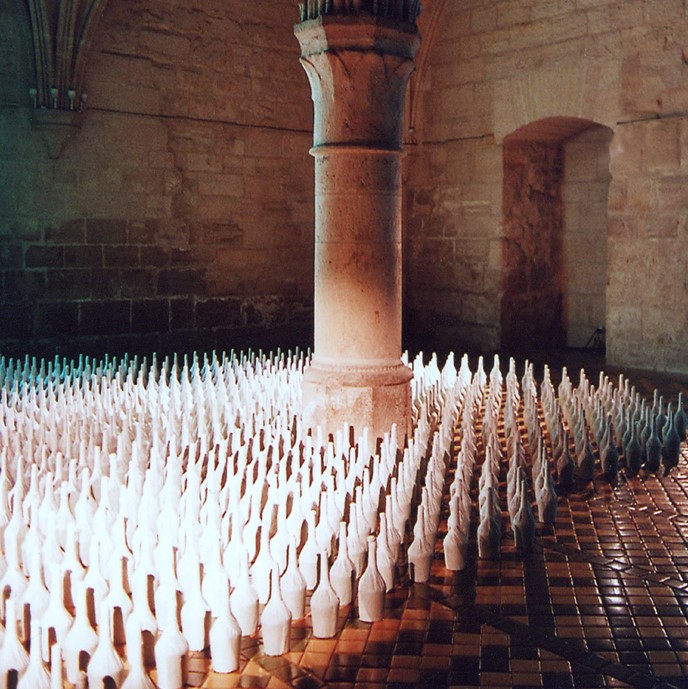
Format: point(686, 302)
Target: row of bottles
point(152, 509)
point(566, 434)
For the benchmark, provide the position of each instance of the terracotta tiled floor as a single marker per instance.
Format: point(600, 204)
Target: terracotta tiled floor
point(602, 601)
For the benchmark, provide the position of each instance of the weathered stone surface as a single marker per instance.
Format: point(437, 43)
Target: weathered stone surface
point(218, 313)
point(197, 127)
point(150, 316)
point(137, 283)
point(585, 193)
point(153, 257)
point(182, 314)
point(67, 232)
point(57, 318)
point(82, 256)
point(16, 320)
point(104, 318)
point(358, 69)
point(193, 154)
point(106, 231)
point(180, 282)
point(44, 257)
point(67, 284)
point(645, 267)
point(532, 302)
point(23, 285)
point(120, 256)
point(267, 311)
point(105, 284)
point(495, 70)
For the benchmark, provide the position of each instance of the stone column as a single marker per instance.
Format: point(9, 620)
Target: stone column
point(358, 66)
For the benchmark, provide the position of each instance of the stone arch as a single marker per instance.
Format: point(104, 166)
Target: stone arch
point(428, 24)
point(554, 209)
point(561, 95)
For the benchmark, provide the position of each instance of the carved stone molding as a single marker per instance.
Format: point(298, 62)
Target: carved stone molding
point(56, 128)
point(61, 32)
point(429, 25)
point(357, 68)
point(397, 10)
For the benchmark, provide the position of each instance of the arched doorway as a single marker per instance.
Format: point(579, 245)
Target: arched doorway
point(554, 206)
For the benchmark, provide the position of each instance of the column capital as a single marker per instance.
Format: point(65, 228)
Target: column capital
point(366, 32)
point(358, 67)
point(403, 11)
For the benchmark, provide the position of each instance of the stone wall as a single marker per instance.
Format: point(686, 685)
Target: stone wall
point(532, 257)
point(647, 304)
point(586, 190)
point(496, 67)
point(181, 214)
point(453, 249)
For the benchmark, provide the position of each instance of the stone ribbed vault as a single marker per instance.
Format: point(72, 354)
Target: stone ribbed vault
point(61, 33)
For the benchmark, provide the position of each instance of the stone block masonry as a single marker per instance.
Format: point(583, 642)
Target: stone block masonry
point(586, 189)
point(181, 215)
point(71, 290)
point(647, 257)
point(500, 68)
point(189, 181)
point(532, 260)
point(452, 246)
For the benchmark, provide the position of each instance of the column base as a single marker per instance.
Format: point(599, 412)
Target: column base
point(372, 397)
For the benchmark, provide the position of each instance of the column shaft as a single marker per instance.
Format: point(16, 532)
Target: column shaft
point(358, 68)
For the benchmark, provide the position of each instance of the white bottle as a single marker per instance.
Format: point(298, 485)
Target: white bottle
point(324, 604)
point(244, 600)
point(170, 650)
point(456, 541)
point(105, 661)
point(393, 536)
point(275, 620)
point(55, 616)
point(215, 584)
point(308, 561)
point(262, 565)
point(56, 676)
point(342, 571)
point(141, 596)
point(13, 577)
point(137, 678)
point(81, 638)
point(118, 600)
point(93, 578)
point(225, 641)
point(293, 585)
point(194, 613)
point(13, 656)
point(385, 559)
point(35, 676)
point(371, 588)
point(36, 598)
point(422, 549)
